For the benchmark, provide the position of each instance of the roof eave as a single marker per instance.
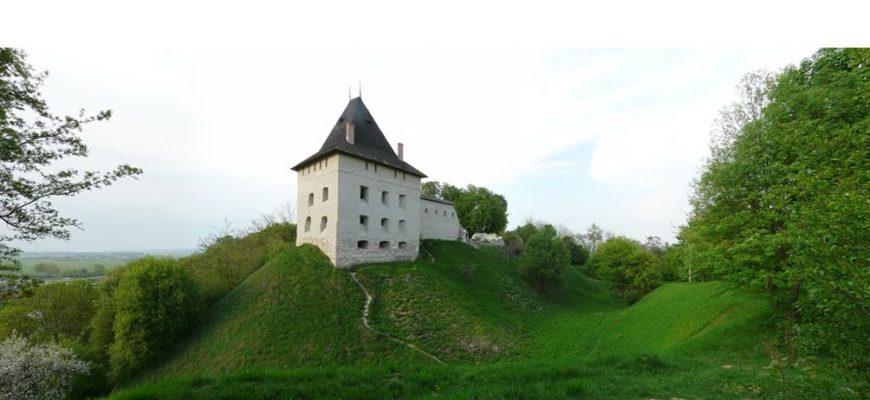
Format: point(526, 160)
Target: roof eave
point(328, 153)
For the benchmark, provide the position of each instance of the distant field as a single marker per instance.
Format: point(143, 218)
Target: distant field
point(67, 264)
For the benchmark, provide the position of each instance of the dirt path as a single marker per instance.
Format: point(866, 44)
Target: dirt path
point(365, 320)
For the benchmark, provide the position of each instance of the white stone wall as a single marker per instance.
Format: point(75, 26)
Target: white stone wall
point(354, 173)
point(438, 221)
point(311, 180)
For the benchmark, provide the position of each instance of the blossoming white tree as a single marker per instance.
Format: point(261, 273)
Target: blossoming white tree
point(38, 371)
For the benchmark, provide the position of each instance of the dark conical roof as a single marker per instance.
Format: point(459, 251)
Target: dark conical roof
point(369, 142)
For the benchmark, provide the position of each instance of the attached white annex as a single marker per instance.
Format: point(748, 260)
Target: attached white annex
point(359, 201)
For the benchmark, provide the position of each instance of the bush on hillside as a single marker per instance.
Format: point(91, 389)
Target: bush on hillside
point(526, 231)
point(578, 253)
point(227, 260)
point(145, 306)
point(627, 266)
point(545, 258)
point(513, 244)
point(56, 312)
point(36, 371)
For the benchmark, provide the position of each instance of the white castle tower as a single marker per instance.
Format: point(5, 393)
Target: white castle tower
point(359, 201)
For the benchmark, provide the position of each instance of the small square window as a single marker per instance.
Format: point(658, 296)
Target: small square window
point(364, 223)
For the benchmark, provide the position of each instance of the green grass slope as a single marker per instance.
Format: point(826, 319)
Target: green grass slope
point(297, 310)
point(292, 330)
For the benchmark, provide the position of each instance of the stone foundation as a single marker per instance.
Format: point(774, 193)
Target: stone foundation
point(327, 246)
point(347, 253)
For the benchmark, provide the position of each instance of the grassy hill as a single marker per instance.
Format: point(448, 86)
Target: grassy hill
point(293, 330)
point(297, 310)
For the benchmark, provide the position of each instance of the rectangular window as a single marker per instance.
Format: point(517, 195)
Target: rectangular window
point(385, 198)
point(364, 223)
point(362, 244)
point(363, 193)
point(403, 201)
point(402, 225)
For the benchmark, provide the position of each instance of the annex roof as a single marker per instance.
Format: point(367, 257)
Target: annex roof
point(436, 200)
point(369, 142)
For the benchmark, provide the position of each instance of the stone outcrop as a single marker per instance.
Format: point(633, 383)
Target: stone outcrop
point(486, 239)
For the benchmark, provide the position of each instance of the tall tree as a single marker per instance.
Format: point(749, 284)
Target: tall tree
point(481, 210)
point(594, 235)
point(32, 142)
point(783, 204)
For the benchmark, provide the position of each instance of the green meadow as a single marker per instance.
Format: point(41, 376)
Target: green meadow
point(293, 329)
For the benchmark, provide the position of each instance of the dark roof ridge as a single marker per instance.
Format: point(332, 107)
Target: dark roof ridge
point(369, 142)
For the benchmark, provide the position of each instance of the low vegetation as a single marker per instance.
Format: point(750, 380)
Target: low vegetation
point(783, 203)
point(131, 319)
point(293, 329)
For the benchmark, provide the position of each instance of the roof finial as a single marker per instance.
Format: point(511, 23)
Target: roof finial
point(348, 92)
point(360, 89)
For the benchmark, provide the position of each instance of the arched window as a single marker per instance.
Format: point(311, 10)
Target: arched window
point(307, 224)
point(385, 225)
point(403, 201)
point(362, 244)
point(310, 199)
point(402, 225)
point(385, 198)
point(403, 245)
point(384, 245)
point(322, 223)
point(325, 193)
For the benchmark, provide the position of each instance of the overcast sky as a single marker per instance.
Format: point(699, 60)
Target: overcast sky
point(216, 113)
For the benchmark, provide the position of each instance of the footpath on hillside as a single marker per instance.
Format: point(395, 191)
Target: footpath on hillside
point(365, 320)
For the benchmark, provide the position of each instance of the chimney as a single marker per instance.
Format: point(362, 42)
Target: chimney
point(401, 151)
point(348, 131)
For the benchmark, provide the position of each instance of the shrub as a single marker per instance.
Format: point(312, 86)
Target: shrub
point(626, 265)
point(54, 312)
point(513, 244)
point(146, 305)
point(38, 372)
point(545, 258)
point(228, 260)
point(578, 253)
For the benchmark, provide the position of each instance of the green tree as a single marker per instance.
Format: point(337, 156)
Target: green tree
point(481, 210)
point(627, 266)
point(783, 202)
point(579, 254)
point(46, 268)
point(594, 236)
point(32, 142)
point(431, 189)
point(151, 302)
point(526, 231)
point(544, 259)
point(57, 312)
